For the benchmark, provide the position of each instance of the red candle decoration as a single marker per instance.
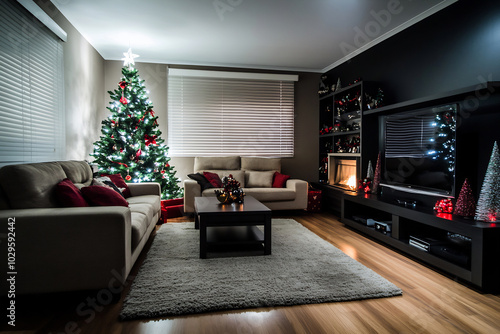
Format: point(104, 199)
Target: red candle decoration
point(444, 206)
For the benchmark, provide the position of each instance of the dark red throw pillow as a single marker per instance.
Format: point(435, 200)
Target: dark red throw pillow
point(69, 195)
point(279, 180)
point(103, 196)
point(118, 180)
point(214, 179)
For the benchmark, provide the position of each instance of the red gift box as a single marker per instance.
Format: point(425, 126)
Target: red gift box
point(171, 208)
point(314, 200)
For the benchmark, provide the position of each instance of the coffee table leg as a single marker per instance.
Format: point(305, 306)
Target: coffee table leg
point(196, 221)
point(267, 236)
point(203, 240)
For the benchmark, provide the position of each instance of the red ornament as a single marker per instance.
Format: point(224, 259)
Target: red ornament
point(123, 84)
point(138, 155)
point(167, 165)
point(444, 206)
point(128, 177)
point(150, 140)
point(163, 172)
point(123, 100)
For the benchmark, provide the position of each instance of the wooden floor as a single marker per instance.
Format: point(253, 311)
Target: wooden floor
point(431, 302)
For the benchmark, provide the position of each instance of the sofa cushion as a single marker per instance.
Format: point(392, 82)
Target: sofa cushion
point(142, 216)
point(271, 194)
point(213, 178)
point(103, 196)
point(31, 185)
point(279, 180)
point(208, 163)
point(238, 175)
point(152, 200)
point(202, 180)
point(79, 172)
point(120, 183)
point(255, 179)
point(262, 164)
point(105, 181)
point(69, 195)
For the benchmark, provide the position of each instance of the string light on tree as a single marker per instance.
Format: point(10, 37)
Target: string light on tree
point(488, 205)
point(130, 143)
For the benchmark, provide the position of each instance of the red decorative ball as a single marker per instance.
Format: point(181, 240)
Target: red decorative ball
point(128, 177)
point(444, 206)
point(167, 165)
point(123, 100)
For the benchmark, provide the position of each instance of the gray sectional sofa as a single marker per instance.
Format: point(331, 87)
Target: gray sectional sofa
point(71, 248)
point(255, 177)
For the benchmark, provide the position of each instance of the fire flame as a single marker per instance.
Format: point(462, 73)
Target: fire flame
point(351, 183)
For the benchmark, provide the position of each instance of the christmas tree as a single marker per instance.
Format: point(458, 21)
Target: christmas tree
point(466, 205)
point(130, 143)
point(376, 177)
point(488, 206)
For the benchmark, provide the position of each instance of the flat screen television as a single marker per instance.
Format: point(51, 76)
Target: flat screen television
point(419, 150)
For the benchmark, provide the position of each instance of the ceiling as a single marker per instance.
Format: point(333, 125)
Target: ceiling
point(297, 35)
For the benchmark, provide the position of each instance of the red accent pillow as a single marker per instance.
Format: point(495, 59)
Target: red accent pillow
point(279, 180)
point(214, 179)
point(103, 196)
point(69, 195)
point(118, 180)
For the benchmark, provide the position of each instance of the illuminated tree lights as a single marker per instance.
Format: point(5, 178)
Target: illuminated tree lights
point(130, 143)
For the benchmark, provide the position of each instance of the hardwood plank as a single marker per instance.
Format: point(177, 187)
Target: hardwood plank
point(431, 301)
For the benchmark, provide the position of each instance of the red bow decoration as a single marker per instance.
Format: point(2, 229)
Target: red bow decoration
point(123, 84)
point(150, 140)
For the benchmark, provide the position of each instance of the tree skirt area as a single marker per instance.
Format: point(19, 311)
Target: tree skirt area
point(303, 269)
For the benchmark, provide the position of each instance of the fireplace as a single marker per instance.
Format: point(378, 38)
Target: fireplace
point(344, 172)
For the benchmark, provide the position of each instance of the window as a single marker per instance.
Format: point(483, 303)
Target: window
point(213, 113)
point(31, 88)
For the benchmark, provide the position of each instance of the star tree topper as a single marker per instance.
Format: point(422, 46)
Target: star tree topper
point(129, 58)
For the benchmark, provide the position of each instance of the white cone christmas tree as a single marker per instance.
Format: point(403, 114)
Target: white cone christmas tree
point(369, 173)
point(488, 206)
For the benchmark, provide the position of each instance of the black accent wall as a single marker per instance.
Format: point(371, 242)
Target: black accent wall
point(455, 48)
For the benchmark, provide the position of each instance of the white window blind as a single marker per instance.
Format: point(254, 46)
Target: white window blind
point(214, 113)
point(31, 89)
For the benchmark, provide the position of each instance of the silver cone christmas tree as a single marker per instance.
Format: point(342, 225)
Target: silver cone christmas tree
point(488, 206)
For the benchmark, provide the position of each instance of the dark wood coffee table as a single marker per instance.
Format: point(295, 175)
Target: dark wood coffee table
point(232, 224)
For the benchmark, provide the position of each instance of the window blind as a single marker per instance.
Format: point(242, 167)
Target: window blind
point(229, 113)
point(31, 89)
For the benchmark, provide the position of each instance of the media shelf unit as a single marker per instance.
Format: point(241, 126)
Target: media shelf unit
point(482, 270)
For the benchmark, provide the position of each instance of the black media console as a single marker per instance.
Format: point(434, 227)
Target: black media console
point(462, 248)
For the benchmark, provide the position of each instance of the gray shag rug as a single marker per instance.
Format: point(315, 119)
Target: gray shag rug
point(302, 269)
